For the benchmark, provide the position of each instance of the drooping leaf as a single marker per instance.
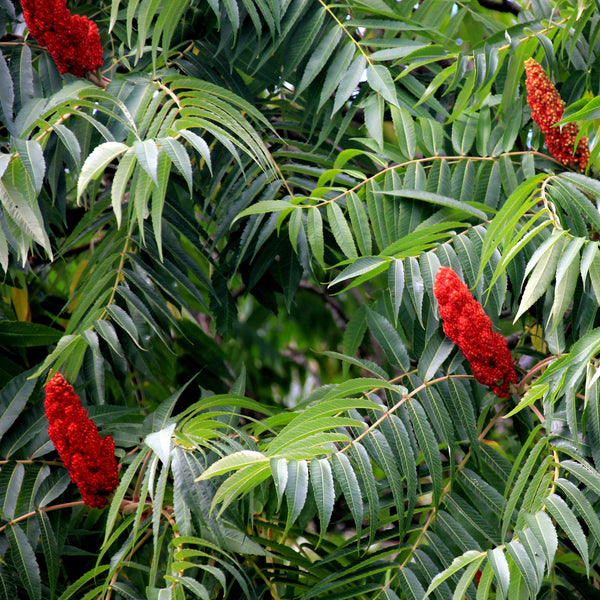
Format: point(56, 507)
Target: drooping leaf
point(349, 81)
point(521, 481)
point(321, 481)
point(24, 558)
point(519, 555)
point(15, 396)
point(341, 230)
point(543, 529)
point(30, 152)
point(388, 338)
point(541, 276)
point(147, 156)
point(360, 457)
point(497, 559)
point(336, 71)
point(179, 156)
point(564, 516)
point(50, 549)
point(380, 80)
point(427, 444)
point(346, 477)
point(96, 162)
point(12, 477)
point(296, 490)
point(319, 57)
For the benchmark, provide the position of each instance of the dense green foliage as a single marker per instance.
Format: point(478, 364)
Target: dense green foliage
point(228, 247)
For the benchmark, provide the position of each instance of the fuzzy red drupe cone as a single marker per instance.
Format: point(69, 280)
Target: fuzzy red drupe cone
point(547, 109)
point(467, 325)
point(73, 41)
point(90, 459)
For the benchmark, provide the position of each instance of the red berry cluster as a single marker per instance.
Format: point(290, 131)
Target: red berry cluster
point(547, 108)
point(470, 329)
point(73, 41)
point(89, 458)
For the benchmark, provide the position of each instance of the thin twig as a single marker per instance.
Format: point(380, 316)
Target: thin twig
point(41, 510)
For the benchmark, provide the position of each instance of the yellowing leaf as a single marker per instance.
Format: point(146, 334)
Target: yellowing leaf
point(20, 300)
